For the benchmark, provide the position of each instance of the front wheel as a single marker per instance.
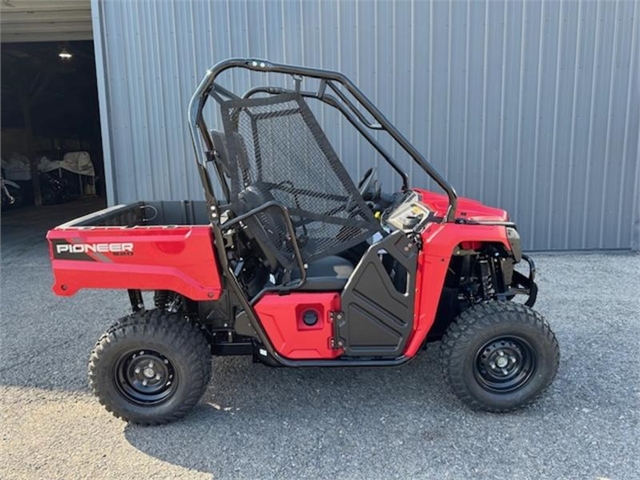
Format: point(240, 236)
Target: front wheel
point(499, 356)
point(151, 367)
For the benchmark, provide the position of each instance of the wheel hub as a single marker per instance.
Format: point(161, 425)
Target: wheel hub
point(501, 362)
point(145, 377)
point(504, 364)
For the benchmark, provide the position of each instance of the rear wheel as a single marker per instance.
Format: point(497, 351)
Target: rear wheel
point(48, 195)
point(150, 368)
point(499, 356)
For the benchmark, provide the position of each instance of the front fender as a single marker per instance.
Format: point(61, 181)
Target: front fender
point(439, 241)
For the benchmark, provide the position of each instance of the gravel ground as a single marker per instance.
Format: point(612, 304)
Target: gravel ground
point(260, 422)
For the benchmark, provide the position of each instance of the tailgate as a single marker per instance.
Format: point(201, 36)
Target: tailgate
point(176, 258)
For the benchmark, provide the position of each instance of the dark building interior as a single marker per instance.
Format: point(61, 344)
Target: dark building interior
point(50, 108)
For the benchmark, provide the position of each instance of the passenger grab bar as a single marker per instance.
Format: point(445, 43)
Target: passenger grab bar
point(290, 230)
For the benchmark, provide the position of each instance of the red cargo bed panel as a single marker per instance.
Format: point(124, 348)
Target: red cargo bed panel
point(178, 258)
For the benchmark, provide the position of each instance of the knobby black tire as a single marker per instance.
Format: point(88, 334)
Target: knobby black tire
point(172, 335)
point(480, 324)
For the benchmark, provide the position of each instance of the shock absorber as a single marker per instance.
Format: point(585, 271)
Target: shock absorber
point(161, 298)
point(486, 280)
point(167, 300)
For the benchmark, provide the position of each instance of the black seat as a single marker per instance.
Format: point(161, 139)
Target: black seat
point(268, 227)
point(325, 274)
point(329, 274)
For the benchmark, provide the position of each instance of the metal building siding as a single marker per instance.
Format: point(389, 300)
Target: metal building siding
point(532, 106)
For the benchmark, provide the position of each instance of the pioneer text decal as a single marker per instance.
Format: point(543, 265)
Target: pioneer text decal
point(77, 250)
point(122, 248)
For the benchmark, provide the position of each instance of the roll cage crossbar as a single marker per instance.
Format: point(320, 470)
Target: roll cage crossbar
point(329, 81)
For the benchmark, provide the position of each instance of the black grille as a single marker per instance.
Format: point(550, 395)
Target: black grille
point(277, 151)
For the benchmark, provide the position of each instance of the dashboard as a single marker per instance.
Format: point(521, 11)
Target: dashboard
point(408, 213)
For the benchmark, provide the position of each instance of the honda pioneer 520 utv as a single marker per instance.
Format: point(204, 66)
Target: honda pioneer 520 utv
point(289, 261)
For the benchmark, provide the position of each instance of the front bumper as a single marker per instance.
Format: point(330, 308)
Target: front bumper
point(522, 284)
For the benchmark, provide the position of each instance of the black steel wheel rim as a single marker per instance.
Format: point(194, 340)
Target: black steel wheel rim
point(145, 377)
point(504, 364)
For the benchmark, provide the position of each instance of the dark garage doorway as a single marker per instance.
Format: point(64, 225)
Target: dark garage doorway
point(51, 140)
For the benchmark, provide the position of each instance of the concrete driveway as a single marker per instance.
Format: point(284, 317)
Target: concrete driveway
point(260, 422)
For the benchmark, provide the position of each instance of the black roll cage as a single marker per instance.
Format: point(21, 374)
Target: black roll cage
point(328, 80)
point(206, 152)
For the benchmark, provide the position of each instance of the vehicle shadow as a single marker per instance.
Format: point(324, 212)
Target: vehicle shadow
point(306, 423)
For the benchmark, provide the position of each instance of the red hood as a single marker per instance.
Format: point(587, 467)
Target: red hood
point(467, 208)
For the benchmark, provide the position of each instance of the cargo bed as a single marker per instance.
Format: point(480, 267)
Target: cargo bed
point(140, 246)
point(137, 214)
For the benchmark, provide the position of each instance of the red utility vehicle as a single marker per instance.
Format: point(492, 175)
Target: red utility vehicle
point(289, 261)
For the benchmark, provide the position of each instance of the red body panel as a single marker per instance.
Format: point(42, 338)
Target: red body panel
point(180, 259)
point(467, 208)
point(281, 317)
point(439, 241)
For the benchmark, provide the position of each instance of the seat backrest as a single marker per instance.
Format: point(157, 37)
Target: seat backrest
point(266, 227)
point(276, 145)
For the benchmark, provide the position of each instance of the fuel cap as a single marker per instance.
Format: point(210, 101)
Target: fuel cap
point(310, 317)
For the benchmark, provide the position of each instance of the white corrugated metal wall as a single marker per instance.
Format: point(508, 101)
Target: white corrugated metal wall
point(532, 106)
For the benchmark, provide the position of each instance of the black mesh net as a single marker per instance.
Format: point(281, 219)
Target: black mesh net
point(277, 151)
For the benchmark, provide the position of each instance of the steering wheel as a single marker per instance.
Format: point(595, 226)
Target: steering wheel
point(368, 186)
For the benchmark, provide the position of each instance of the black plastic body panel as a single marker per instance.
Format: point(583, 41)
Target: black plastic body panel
point(378, 318)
